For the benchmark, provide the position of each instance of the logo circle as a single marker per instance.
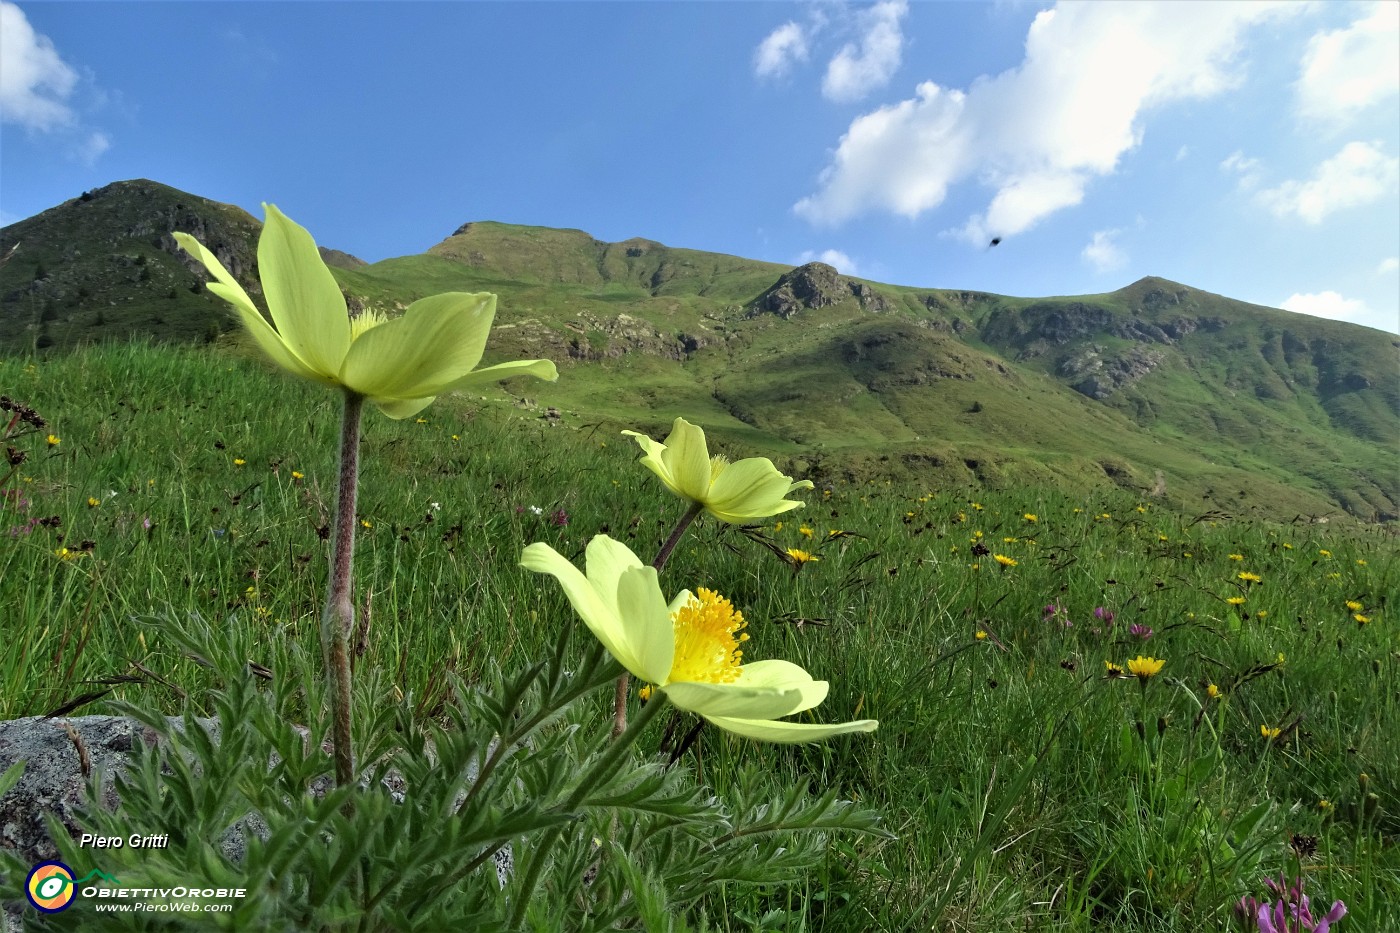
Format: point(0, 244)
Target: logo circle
point(50, 887)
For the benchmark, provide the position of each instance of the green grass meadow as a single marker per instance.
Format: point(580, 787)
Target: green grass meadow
point(1027, 789)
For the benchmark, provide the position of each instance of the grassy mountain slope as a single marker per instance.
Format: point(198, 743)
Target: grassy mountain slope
point(1208, 401)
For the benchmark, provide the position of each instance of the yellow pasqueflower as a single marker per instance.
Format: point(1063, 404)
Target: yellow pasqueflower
point(689, 649)
point(400, 365)
point(731, 492)
point(1145, 668)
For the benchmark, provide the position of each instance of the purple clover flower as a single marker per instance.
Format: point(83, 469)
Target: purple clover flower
point(1141, 631)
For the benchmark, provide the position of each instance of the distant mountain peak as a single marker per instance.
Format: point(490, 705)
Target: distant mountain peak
point(815, 285)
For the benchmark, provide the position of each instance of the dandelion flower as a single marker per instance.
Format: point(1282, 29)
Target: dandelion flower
point(1145, 669)
point(801, 557)
point(1363, 619)
point(981, 635)
point(805, 532)
point(400, 365)
point(1235, 600)
point(1113, 671)
point(93, 502)
point(239, 461)
point(1213, 691)
point(1354, 606)
point(1030, 517)
point(54, 440)
point(1270, 732)
point(1004, 560)
point(731, 492)
point(1250, 577)
point(688, 650)
point(1323, 552)
point(1236, 556)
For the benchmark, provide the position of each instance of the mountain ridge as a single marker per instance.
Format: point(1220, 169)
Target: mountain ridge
point(1154, 384)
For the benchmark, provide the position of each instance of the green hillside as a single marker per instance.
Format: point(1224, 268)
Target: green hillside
point(1203, 401)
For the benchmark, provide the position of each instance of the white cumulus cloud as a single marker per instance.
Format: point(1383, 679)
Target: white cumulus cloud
point(1389, 264)
point(35, 83)
point(776, 54)
point(869, 63)
point(1330, 304)
point(1103, 253)
point(1039, 133)
point(1245, 167)
point(1346, 71)
point(1359, 174)
point(832, 257)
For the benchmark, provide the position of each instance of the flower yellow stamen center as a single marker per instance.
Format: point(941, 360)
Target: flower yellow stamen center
point(717, 465)
point(365, 320)
point(708, 637)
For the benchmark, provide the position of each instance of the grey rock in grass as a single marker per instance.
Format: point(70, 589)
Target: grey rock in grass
point(60, 753)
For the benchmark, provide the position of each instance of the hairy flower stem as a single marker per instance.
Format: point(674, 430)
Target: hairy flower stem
point(597, 775)
point(338, 619)
point(620, 696)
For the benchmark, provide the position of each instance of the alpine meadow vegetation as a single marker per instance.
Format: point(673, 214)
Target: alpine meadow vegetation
point(1093, 711)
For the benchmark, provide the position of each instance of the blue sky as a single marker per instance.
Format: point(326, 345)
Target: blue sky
point(1250, 150)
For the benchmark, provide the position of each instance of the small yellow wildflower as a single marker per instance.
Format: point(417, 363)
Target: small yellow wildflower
point(1141, 509)
point(1009, 540)
point(801, 557)
point(93, 502)
point(1287, 546)
point(1145, 669)
point(296, 475)
point(832, 533)
point(1354, 606)
point(456, 437)
point(1323, 552)
point(1262, 614)
point(981, 635)
point(1269, 732)
point(1250, 577)
point(1324, 804)
point(778, 526)
point(1213, 691)
point(805, 531)
point(1030, 517)
point(977, 506)
point(1236, 556)
point(1361, 561)
point(54, 440)
point(1004, 560)
point(1361, 618)
point(1281, 659)
point(420, 420)
point(239, 461)
point(365, 523)
point(1235, 600)
point(975, 566)
point(1113, 671)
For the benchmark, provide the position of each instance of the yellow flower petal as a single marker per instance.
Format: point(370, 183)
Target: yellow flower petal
point(732, 699)
point(768, 730)
point(732, 492)
point(744, 489)
point(306, 304)
point(229, 290)
point(436, 342)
